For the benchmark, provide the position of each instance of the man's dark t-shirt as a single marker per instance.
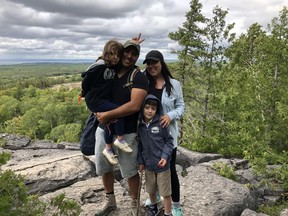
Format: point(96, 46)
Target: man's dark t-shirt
point(121, 95)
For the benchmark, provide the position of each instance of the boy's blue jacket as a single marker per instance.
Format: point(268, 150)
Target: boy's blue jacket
point(155, 142)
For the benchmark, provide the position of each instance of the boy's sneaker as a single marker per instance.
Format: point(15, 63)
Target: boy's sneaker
point(148, 201)
point(110, 156)
point(152, 210)
point(123, 146)
point(177, 212)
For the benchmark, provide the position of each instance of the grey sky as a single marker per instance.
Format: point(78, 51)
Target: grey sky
point(57, 29)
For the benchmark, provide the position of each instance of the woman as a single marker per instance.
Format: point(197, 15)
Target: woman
point(169, 92)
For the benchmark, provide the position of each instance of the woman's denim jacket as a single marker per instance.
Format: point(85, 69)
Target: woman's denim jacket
point(174, 107)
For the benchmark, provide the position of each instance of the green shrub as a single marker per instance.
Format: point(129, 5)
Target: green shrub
point(224, 170)
point(273, 210)
point(15, 199)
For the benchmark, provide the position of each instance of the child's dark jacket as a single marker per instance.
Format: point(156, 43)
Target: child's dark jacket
point(155, 142)
point(97, 83)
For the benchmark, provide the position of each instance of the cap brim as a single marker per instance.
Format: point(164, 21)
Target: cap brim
point(150, 58)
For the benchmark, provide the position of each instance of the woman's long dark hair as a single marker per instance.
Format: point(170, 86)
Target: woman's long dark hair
point(166, 74)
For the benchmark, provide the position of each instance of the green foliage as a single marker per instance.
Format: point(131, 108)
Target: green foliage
point(189, 35)
point(43, 110)
point(9, 108)
point(30, 107)
point(230, 107)
point(68, 133)
point(39, 75)
point(16, 200)
point(61, 206)
point(273, 210)
point(236, 96)
point(225, 170)
point(261, 156)
point(4, 157)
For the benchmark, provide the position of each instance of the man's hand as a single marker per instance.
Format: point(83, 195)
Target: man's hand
point(102, 118)
point(165, 121)
point(138, 40)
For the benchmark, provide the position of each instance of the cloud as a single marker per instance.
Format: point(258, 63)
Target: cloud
point(78, 29)
point(246, 12)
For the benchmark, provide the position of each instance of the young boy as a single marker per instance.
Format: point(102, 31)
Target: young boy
point(96, 85)
point(155, 149)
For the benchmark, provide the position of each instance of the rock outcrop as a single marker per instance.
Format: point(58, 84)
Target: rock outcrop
point(51, 169)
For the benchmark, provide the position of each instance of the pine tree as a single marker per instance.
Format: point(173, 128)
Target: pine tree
point(189, 37)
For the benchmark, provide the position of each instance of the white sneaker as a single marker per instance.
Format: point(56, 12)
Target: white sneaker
point(122, 146)
point(110, 157)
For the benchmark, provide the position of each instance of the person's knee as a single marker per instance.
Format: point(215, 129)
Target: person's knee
point(103, 169)
point(135, 176)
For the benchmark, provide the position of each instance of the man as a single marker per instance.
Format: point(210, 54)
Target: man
point(130, 99)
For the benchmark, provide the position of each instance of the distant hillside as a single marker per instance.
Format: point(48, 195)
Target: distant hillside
point(29, 70)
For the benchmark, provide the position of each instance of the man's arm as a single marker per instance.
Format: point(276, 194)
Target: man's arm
point(134, 105)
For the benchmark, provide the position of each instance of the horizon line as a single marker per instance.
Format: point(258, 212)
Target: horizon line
point(31, 61)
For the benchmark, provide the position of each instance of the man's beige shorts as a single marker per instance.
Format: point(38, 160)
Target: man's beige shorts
point(160, 182)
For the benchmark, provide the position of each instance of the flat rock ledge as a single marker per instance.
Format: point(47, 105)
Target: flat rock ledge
point(51, 169)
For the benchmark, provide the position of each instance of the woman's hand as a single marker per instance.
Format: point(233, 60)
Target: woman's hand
point(165, 120)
